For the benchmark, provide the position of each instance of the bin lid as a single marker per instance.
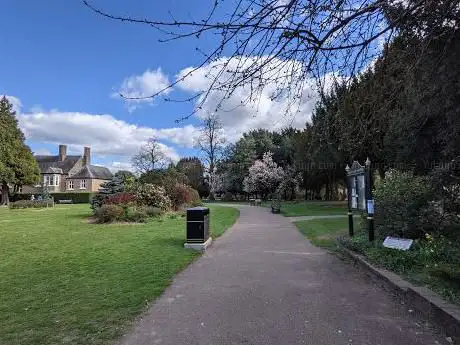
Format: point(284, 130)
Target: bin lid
point(198, 208)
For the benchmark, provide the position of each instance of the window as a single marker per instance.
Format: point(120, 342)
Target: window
point(51, 180)
point(70, 185)
point(83, 184)
point(20, 189)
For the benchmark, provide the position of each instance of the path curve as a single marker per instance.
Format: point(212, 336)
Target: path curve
point(263, 283)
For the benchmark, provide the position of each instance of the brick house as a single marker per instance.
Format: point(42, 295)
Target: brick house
point(69, 173)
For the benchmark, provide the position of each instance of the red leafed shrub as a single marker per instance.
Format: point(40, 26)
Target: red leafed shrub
point(182, 195)
point(120, 199)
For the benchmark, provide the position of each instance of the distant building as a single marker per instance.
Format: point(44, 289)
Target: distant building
point(69, 173)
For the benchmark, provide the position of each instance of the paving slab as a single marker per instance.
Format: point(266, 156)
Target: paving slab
point(262, 282)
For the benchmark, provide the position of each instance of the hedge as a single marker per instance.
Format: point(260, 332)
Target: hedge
point(77, 198)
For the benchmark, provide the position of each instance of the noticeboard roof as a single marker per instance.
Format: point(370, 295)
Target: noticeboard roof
point(356, 169)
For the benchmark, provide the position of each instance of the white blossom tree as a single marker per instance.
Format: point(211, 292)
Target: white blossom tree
point(264, 176)
point(216, 183)
point(289, 186)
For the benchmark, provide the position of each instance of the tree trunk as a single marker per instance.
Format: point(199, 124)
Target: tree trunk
point(5, 194)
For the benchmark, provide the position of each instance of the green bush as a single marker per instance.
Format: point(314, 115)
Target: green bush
point(195, 199)
point(135, 214)
point(228, 196)
point(153, 211)
point(109, 213)
point(400, 200)
point(31, 204)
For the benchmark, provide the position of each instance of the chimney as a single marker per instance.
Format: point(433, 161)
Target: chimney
point(87, 156)
point(62, 152)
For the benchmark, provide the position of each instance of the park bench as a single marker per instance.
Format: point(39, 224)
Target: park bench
point(252, 202)
point(66, 201)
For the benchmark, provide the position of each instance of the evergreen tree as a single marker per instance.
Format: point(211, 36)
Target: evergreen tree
point(17, 164)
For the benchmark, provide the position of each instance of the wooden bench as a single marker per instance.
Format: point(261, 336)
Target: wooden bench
point(66, 201)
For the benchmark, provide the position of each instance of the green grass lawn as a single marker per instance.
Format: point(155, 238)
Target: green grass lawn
point(323, 232)
point(313, 208)
point(64, 281)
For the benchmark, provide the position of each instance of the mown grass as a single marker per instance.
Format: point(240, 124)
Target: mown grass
point(313, 208)
point(64, 281)
point(323, 232)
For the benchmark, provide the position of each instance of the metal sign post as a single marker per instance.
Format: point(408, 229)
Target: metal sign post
point(370, 200)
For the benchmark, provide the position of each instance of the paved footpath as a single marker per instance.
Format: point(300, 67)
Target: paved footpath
point(263, 283)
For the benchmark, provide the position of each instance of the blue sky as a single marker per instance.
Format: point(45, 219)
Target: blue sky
point(64, 65)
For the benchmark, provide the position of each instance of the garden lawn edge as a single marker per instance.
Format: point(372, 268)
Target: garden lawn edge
point(446, 315)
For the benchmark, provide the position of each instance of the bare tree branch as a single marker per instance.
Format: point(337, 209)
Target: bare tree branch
point(149, 157)
point(283, 44)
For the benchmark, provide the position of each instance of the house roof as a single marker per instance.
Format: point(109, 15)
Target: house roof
point(93, 171)
point(53, 170)
point(47, 162)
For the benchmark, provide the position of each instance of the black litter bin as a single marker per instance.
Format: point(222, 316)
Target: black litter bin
point(197, 224)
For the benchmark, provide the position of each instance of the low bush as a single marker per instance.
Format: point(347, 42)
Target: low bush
point(109, 213)
point(31, 204)
point(135, 214)
point(195, 199)
point(228, 196)
point(182, 195)
point(153, 211)
point(123, 198)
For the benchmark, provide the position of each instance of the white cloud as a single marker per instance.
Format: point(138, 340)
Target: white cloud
point(240, 112)
point(183, 136)
point(16, 102)
point(115, 166)
point(42, 151)
point(105, 135)
point(142, 87)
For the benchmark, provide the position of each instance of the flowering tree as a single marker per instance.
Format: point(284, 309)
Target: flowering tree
point(289, 186)
point(217, 183)
point(264, 176)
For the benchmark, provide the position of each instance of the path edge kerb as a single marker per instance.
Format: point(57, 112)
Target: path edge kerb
point(431, 305)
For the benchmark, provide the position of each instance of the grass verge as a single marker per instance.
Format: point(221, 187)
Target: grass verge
point(323, 232)
point(420, 265)
point(416, 265)
point(313, 208)
point(64, 281)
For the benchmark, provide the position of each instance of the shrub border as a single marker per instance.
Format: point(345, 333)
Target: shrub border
point(446, 315)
